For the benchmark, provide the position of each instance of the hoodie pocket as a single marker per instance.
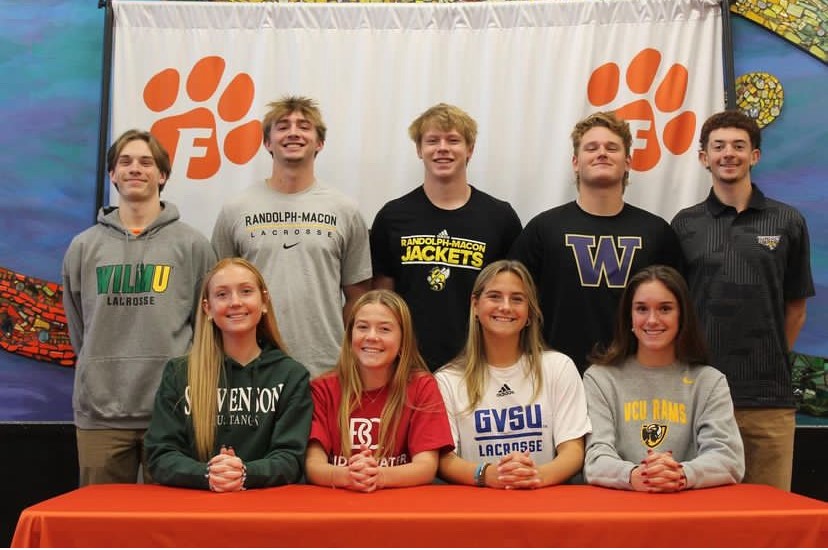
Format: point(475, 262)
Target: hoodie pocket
point(114, 388)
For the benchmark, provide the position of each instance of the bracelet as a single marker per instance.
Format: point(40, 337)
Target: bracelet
point(244, 477)
point(207, 477)
point(480, 474)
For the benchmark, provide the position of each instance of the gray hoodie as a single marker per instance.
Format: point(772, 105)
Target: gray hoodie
point(129, 305)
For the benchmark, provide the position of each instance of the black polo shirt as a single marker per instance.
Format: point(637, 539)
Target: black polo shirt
point(742, 268)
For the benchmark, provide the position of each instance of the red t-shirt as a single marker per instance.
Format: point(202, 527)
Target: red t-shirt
point(423, 427)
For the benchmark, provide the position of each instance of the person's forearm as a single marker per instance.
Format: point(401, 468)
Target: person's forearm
point(568, 461)
point(406, 475)
point(460, 471)
point(795, 315)
point(327, 475)
point(559, 470)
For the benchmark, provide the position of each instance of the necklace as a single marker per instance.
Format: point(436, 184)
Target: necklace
point(371, 396)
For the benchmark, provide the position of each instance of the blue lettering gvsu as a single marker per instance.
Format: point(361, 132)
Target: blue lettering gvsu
point(514, 419)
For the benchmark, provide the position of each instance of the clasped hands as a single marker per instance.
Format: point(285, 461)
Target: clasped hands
point(226, 472)
point(517, 471)
point(364, 472)
point(658, 473)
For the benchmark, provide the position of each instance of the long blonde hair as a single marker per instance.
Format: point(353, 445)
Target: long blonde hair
point(409, 364)
point(206, 358)
point(473, 359)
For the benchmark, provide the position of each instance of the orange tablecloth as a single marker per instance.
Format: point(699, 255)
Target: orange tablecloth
point(433, 515)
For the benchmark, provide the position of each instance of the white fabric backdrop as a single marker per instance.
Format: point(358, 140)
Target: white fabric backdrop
point(521, 69)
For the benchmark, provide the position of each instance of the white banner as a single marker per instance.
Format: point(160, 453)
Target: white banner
point(200, 76)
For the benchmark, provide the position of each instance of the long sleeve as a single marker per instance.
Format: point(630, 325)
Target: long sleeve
point(269, 432)
point(72, 303)
point(284, 460)
point(169, 440)
point(720, 459)
point(203, 260)
point(603, 464)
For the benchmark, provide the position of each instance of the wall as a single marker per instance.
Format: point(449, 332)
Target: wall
point(50, 56)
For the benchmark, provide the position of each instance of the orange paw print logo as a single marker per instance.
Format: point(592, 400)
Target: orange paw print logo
point(678, 132)
point(195, 133)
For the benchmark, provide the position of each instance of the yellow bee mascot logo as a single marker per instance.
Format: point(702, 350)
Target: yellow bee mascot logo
point(437, 278)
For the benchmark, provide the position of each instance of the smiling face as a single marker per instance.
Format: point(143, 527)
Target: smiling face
point(234, 301)
point(293, 139)
point(655, 323)
point(375, 340)
point(600, 160)
point(729, 156)
point(445, 154)
point(503, 307)
point(136, 174)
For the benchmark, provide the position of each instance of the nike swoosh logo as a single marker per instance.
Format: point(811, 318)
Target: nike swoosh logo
point(287, 246)
point(687, 380)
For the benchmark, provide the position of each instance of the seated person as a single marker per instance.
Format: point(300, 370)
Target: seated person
point(662, 421)
point(378, 418)
point(235, 412)
point(517, 411)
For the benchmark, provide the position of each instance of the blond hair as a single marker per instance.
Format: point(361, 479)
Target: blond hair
point(409, 365)
point(286, 105)
point(608, 120)
point(473, 359)
point(206, 358)
point(444, 117)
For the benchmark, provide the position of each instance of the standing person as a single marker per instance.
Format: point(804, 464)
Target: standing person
point(582, 254)
point(129, 284)
point(517, 411)
point(235, 412)
point(749, 270)
point(662, 419)
point(378, 419)
point(308, 240)
point(429, 244)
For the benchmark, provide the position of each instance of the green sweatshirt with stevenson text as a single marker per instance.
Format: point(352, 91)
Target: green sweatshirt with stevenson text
point(264, 413)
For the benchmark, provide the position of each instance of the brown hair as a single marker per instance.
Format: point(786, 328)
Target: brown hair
point(731, 119)
point(159, 154)
point(690, 343)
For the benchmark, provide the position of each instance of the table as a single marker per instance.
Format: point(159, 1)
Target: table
point(432, 515)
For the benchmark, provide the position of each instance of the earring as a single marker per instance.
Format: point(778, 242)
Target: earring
point(264, 310)
point(209, 319)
